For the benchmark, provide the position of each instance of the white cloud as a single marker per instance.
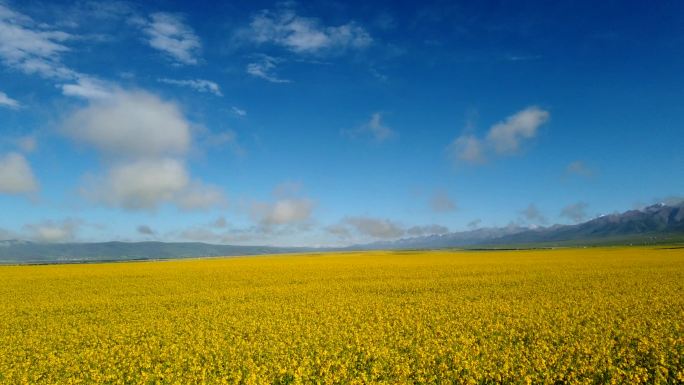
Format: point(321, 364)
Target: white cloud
point(440, 202)
point(133, 124)
point(146, 184)
point(199, 85)
point(374, 227)
point(283, 212)
point(299, 34)
point(31, 47)
point(418, 231)
point(16, 176)
point(238, 111)
point(89, 88)
point(145, 140)
point(576, 212)
point(503, 138)
point(53, 232)
point(375, 128)
point(6, 101)
point(169, 33)
point(466, 148)
point(264, 69)
point(141, 184)
point(506, 136)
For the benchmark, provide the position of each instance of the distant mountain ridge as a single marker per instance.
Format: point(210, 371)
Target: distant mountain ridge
point(658, 223)
point(18, 251)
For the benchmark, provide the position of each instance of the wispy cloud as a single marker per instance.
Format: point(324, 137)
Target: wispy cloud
point(6, 101)
point(170, 34)
point(87, 87)
point(299, 34)
point(32, 47)
point(503, 138)
point(374, 127)
point(264, 68)
point(238, 111)
point(199, 85)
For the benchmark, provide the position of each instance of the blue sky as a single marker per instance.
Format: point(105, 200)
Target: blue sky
point(330, 123)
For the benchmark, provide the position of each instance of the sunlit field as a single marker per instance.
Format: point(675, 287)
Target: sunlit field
point(557, 316)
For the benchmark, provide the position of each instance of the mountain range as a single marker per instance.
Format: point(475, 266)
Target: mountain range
point(659, 223)
point(656, 224)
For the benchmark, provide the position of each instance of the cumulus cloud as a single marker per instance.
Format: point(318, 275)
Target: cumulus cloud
point(576, 212)
point(169, 34)
point(145, 230)
point(53, 232)
point(264, 68)
point(374, 227)
point(284, 28)
point(579, 168)
point(141, 184)
point(144, 184)
point(467, 148)
point(440, 202)
point(532, 214)
point(375, 128)
point(32, 47)
point(418, 231)
point(506, 136)
point(6, 101)
point(199, 85)
point(145, 141)
point(16, 175)
point(283, 212)
point(133, 124)
point(503, 138)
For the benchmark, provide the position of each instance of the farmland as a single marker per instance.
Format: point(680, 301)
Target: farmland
point(604, 315)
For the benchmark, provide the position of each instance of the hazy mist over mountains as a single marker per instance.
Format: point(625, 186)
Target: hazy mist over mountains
point(660, 223)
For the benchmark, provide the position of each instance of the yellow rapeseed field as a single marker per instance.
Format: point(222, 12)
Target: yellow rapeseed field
point(587, 316)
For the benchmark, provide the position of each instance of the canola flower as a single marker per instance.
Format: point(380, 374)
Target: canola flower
point(580, 316)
